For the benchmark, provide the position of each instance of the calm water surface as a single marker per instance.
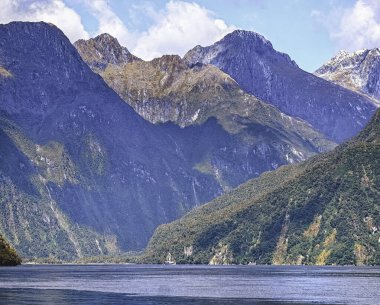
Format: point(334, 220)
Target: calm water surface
point(188, 285)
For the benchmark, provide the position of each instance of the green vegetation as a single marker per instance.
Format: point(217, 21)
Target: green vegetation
point(54, 163)
point(8, 255)
point(94, 156)
point(30, 217)
point(324, 211)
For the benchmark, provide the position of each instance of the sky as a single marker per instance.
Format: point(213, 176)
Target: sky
point(310, 31)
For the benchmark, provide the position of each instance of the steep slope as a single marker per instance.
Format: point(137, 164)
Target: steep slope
point(323, 211)
point(103, 50)
point(358, 71)
point(8, 255)
point(82, 174)
point(273, 77)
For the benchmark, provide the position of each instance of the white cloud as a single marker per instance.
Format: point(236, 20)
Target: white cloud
point(54, 11)
point(175, 29)
point(109, 22)
point(356, 27)
point(179, 27)
point(360, 26)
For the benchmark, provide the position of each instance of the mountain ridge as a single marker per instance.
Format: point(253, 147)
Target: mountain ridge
point(102, 50)
point(357, 71)
point(166, 89)
point(273, 77)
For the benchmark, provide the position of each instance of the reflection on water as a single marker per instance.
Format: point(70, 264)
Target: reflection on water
point(206, 285)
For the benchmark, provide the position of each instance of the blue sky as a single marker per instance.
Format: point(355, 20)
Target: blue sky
point(310, 31)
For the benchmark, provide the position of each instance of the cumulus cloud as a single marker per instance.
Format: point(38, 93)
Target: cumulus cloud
point(179, 27)
point(175, 29)
point(356, 27)
point(109, 22)
point(360, 26)
point(54, 11)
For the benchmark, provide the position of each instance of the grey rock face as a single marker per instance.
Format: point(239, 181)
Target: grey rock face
point(273, 77)
point(358, 71)
point(102, 50)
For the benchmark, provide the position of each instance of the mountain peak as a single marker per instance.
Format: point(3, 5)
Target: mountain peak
point(272, 76)
point(248, 36)
point(169, 63)
point(357, 71)
point(43, 40)
point(103, 50)
point(41, 32)
point(106, 37)
point(341, 54)
point(248, 42)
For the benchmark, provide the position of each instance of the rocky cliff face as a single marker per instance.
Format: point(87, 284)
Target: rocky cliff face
point(324, 211)
point(103, 50)
point(83, 174)
point(358, 71)
point(273, 77)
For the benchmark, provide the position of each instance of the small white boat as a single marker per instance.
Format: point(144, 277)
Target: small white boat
point(169, 260)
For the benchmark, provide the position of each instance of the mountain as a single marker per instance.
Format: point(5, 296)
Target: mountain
point(273, 77)
point(167, 90)
point(103, 50)
point(8, 255)
point(358, 71)
point(323, 211)
point(82, 174)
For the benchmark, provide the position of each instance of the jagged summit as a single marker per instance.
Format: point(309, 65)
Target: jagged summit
point(347, 60)
point(247, 36)
point(358, 71)
point(41, 33)
point(103, 50)
point(238, 39)
point(35, 51)
point(273, 77)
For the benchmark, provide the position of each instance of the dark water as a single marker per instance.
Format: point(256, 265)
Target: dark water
point(200, 285)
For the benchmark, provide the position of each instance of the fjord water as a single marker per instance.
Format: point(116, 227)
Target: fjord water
point(201, 285)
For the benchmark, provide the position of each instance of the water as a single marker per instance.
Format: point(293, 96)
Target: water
point(188, 285)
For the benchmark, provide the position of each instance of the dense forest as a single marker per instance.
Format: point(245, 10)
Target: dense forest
point(324, 211)
point(8, 255)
